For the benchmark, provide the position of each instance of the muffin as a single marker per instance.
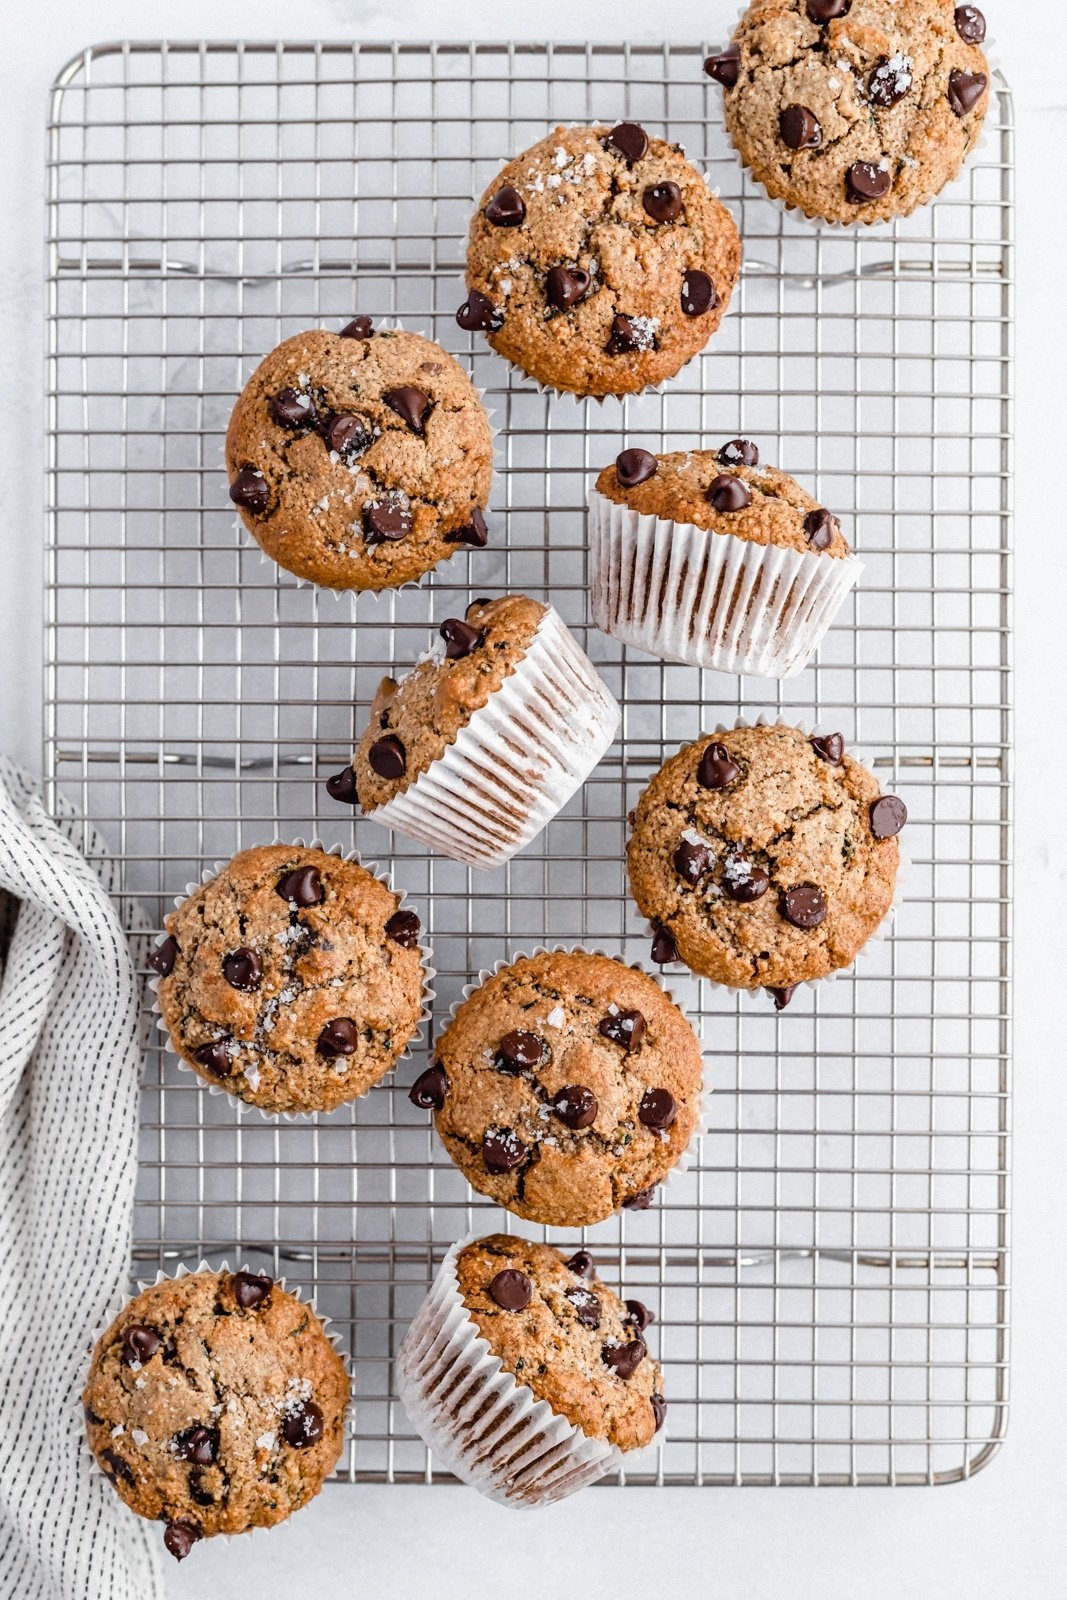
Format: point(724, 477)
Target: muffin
point(764, 858)
point(565, 1086)
point(478, 747)
point(599, 263)
point(215, 1403)
point(294, 979)
point(854, 110)
point(360, 459)
point(709, 558)
point(526, 1375)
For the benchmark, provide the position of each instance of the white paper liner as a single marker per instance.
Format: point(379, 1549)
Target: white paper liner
point(710, 599)
point(479, 1421)
point(517, 762)
point(429, 973)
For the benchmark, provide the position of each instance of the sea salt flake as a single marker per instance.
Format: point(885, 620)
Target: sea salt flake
point(556, 1017)
point(252, 1076)
point(138, 1436)
point(118, 1429)
point(266, 1441)
point(644, 331)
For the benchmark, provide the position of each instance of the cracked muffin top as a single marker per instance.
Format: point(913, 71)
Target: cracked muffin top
point(564, 1334)
point(763, 858)
point(360, 459)
point(566, 1086)
point(215, 1403)
point(724, 491)
point(854, 110)
point(294, 979)
point(599, 262)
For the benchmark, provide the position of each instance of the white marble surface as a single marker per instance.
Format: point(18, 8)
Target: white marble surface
point(1003, 1535)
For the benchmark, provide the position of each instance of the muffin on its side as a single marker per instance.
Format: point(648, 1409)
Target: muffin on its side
point(215, 1403)
point(854, 110)
point(599, 263)
point(526, 1375)
point(764, 858)
point(566, 1085)
point(360, 459)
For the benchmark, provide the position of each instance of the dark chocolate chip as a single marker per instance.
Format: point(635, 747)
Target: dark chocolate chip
point(888, 816)
point(302, 1425)
point(179, 1538)
point(698, 293)
point(745, 889)
point(799, 128)
point(242, 969)
point(587, 1308)
point(965, 89)
point(251, 1289)
point(460, 638)
point(827, 10)
point(641, 1200)
point(662, 201)
point(970, 24)
point(475, 533)
point(511, 1289)
point(163, 958)
point(819, 527)
point(890, 80)
point(338, 1038)
point(358, 328)
point(519, 1050)
point(387, 757)
point(292, 408)
point(429, 1089)
point(302, 886)
point(804, 906)
point(717, 768)
point(200, 1445)
point(725, 67)
point(658, 1108)
point(692, 860)
point(478, 314)
point(139, 1344)
point(216, 1058)
point(626, 1028)
point(624, 1359)
point(386, 523)
point(659, 1410)
point(502, 1150)
point(411, 406)
point(782, 996)
point(249, 490)
point(506, 209)
point(581, 1264)
point(564, 286)
point(630, 140)
point(342, 786)
point(829, 747)
point(575, 1106)
point(623, 337)
point(864, 180)
point(119, 1467)
point(738, 453)
point(638, 1315)
point(635, 466)
point(404, 928)
point(727, 493)
point(664, 948)
point(348, 434)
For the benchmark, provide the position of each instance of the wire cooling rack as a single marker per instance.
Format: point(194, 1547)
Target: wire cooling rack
point(831, 1276)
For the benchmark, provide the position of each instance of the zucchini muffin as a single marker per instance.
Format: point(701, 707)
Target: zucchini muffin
point(764, 858)
point(567, 1085)
point(293, 979)
point(854, 110)
point(215, 1403)
point(360, 459)
point(599, 262)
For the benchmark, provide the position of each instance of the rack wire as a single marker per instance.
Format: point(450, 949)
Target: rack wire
point(831, 1276)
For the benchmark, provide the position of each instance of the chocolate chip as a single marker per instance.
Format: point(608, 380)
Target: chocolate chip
point(804, 906)
point(242, 969)
point(827, 10)
point(519, 1050)
point(342, 786)
point(692, 860)
point(659, 1410)
point(624, 1359)
point(664, 949)
point(216, 1058)
point(698, 294)
point(662, 201)
point(738, 453)
point(799, 128)
point(478, 314)
point(511, 1289)
point(744, 889)
point(587, 1307)
point(623, 337)
point(292, 408)
point(581, 1264)
point(638, 1315)
point(727, 493)
point(641, 1200)
point(338, 1038)
point(198, 1444)
point(866, 181)
point(575, 1106)
point(386, 523)
point(163, 958)
point(635, 466)
point(404, 928)
point(139, 1344)
point(460, 638)
point(475, 533)
point(965, 89)
point(970, 24)
point(630, 140)
point(179, 1538)
point(717, 768)
point(302, 1425)
point(249, 490)
point(506, 209)
point(829, 747)
point(119, 1467)
point(658, 1108)
point(783, 995)
point(565, 285)
point(411, 405)
point(358, 328)
point(429, 1089)
point(725, 67)
point(819, 526)
point(890, 80)
point(302, 886)
point(387, 757)
point(626, 1028)
point(888, 816)
point(251, 1289)
point(348, 434)
point(502, 1150)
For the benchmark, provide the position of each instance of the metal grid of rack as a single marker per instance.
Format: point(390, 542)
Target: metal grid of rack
point(831, 1276)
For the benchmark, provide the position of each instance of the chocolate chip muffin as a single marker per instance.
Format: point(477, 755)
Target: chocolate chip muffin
point(215, 1403)
point(854, 110)
point(764, 858)
point(360, 459)
point(293, 979)
point(599, 262)
point(567, 1085)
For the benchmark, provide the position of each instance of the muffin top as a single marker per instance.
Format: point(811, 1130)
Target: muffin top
point(215, 1403)
point(566, 1086)
point(359, 460)
point(855, 110)
point(413, 721)
point(564, 1334)
point(725, 491)
point(764, 858)
point(599, 262)
point(293, 978)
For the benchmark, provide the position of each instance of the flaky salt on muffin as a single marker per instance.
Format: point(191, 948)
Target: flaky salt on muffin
point(215, 1403)
point(599, 263)
point(525, 1374)
point(854, 110)
point(294, 978)
point(360, 459)
point(764, 858)
point(566, 1085)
